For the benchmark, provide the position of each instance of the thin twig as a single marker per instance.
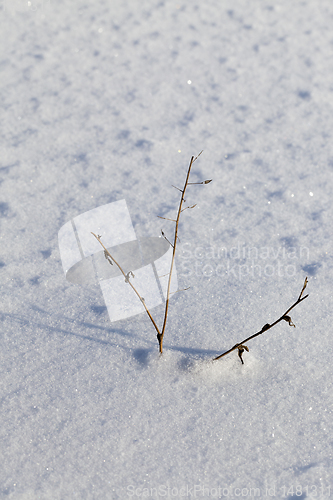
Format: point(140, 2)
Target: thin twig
point(161, 335)
point(181, 290)
point(166, 238)
point(203, 182)
point(266, 327)
point(165, 218)
point(111, 260)
point(127, 280)
point(191, 206)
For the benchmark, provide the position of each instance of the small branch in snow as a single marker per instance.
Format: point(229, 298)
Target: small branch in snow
point(166, 238)
point(180, 210)
point(241, 347)
point(110, 259)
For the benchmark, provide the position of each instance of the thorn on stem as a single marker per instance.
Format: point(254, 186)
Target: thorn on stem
point(128, 276)
point(166, 238)
point(241, 349)
point(188, 207)
point(108, 258)
point(304, 287)
point(203, 182)
point(288, 319)
point(165, 218)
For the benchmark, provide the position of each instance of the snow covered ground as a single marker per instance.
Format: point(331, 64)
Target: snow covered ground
point(105, 101)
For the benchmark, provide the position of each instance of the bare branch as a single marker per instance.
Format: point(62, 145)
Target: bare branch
point(111, 260)
point(166, 238)
point(267, 326)
point(304, 287)
point(177, 188)
point(182, 200)
point(109, 257)
point(203, 182)
point(194, 159)
point(189, 207)
point(165, 218)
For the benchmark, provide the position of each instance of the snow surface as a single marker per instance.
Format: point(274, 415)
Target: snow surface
point(107, 100)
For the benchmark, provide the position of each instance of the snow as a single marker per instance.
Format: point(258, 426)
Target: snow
point(107, 101)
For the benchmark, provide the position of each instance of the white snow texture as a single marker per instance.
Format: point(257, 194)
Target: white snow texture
point(107, 100)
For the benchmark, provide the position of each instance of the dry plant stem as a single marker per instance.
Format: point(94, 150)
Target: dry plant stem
point(161, 335)
point(266, 327)
point(106, 252)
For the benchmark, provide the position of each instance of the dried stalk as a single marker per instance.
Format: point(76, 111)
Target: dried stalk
point(241, 347)
point(160, 336)
point(111, 260)
point(108, 256)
